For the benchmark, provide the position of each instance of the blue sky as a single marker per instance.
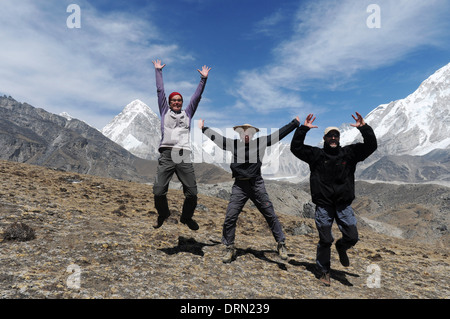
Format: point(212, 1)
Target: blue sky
point(271, 60)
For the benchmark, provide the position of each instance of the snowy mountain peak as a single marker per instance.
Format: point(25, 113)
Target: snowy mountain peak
point(66, 115)
point(441, 76)
point(137, 129)
point(414, 125)
point(137, 106)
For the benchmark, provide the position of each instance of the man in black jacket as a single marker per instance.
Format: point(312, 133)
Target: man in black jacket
point(246, 168)
point(332, 183)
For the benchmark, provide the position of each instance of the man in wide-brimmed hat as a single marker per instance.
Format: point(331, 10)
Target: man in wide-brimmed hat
point(246, 165)
point(246, 131)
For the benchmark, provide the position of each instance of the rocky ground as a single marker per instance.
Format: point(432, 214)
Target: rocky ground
point(94, 239)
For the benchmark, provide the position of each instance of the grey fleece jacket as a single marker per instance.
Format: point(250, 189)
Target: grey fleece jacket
point(175, 127)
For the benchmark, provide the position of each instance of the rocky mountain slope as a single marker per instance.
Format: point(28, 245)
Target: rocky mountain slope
point(414, 211)
point(93, 239)
point(410, 211)
point(434, 166)
point(35, 136)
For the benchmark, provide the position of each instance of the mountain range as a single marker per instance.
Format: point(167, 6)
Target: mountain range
point(137, 129)
point(413, 147)
point(413, 141)
point(34, 136)
point(413, 138)
point(415, 125)
point(413, 135)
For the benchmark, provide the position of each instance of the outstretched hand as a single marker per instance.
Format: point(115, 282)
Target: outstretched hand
point(204, 72)
point(158, 64)
point(359, 120)
point(201, 124)
point(309, 121)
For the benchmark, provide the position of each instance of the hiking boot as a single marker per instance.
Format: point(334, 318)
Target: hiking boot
point(325, 279)
point(230, 254)
point(160, 221)
point(343, 258)
point(282, 251)
point(192, 224)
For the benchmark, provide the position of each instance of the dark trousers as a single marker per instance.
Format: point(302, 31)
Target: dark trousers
point(346, 221)
point(183, 168)
point(241, 191)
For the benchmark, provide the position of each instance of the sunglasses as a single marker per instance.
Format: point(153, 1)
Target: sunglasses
point(330, 135)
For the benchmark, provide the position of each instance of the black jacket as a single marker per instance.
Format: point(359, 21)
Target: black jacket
point(332, 179)
point(247, 158)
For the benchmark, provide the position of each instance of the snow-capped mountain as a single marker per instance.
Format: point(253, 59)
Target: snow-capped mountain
point(34, 136)
point(278, 161)
point(66, 116)
point(137, 129)
point(413, 138)
point(413, 135)
point(415, 125)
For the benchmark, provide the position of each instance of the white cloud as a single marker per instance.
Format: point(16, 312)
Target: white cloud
point(331, 42)
point(102, 65)
point(267, 26)
point(94, 71)
point(335, 38)
point(262, 92)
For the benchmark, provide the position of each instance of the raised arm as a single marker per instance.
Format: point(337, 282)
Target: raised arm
point(282, 132)
point(298, 148)
point(224, 143)
point(196, 97)
point(158, 64)
point(309, 121)
point(162, 101)
point(365, 149)
point(359, 120)
point(204, 71)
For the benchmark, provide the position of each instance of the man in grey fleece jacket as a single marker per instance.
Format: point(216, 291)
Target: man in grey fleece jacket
point(175, 148)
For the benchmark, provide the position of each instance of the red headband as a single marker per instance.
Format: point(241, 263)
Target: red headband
point(173, 94)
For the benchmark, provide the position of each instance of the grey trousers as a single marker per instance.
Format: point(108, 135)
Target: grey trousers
point(183, 168)
point(346, 221)
point(241, 191)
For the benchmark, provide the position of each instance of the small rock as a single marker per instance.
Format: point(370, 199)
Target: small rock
point(375, 257)
point(20, 232)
